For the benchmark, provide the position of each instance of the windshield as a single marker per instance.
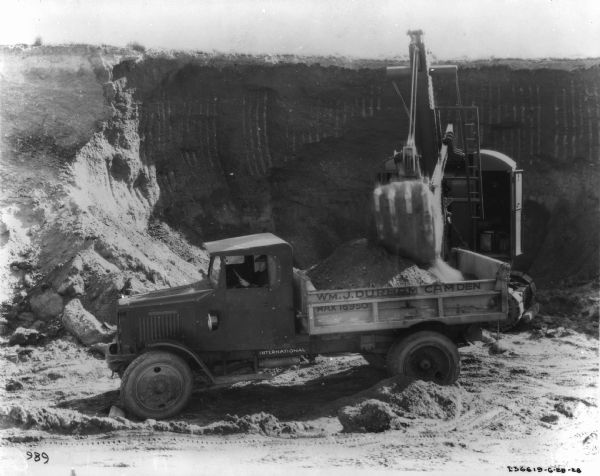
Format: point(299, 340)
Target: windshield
point(214, 270)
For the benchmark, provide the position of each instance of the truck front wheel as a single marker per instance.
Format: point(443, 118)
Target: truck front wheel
point(425, 355)
point(157, 385)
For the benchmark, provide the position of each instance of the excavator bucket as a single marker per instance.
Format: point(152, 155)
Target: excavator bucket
point(409, 220)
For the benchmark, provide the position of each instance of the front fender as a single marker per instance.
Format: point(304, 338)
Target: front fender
point(183, 351)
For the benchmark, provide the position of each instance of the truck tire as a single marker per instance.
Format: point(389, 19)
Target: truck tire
point(425, 355)
point(157, 384)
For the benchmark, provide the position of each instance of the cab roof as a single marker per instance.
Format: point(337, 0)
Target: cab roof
point(248, 243)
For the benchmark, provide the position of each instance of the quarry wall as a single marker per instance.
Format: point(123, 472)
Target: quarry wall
point(214, 145)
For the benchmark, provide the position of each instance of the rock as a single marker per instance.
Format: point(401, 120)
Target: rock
point(116, 412)
point(549, 418)
point(13, 385)
point(72, 286)
point(496, 348)
point(28, 281)
point(46, 305)
point(23, 336)
point(83, 325)
point(70, 338)
point(371, 416)
point(24, 353)
point(77, 264)
point(566, 410)
point(27, 318)
point(38, 325)
point(54, 375)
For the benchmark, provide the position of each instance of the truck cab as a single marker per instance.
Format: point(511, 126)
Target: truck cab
point(253, 296)
point(244, 304)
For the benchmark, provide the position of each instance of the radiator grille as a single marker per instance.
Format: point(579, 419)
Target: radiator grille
point(160, 325)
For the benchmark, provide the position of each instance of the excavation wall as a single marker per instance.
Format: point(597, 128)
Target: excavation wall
point(293, 148)
point(142, 157)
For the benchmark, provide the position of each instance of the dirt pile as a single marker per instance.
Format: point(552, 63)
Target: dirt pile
point(58, 421)
point(395, 402)
point(63, 421)
point(360, 264)
point(260, 423)
point(570, 308)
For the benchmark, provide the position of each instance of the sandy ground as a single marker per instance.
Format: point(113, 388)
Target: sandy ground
point(535, 403)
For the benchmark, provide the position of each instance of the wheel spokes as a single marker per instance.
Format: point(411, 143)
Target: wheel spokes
point(159, 387)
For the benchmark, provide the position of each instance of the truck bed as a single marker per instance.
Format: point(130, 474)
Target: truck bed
point(483, 299)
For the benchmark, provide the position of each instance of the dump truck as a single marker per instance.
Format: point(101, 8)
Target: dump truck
point(254, 311)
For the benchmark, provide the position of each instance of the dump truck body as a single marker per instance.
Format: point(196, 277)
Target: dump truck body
point(484, 299)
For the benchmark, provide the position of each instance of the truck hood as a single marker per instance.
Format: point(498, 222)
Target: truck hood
point(188, 292)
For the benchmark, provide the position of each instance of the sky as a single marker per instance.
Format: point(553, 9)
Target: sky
point(454, 29)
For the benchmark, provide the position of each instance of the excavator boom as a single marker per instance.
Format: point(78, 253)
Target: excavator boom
point(407, 207)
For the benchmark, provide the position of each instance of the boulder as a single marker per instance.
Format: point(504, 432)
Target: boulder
point(47, 304)
point(497, 347)
point(26, 318)
point(38, 325)
point(83, 325)
point(72, 286)
point(372, 416)
point(116, 412)
point(13, 385)
point(23, 336)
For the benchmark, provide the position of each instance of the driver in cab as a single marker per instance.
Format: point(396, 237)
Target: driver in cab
point(258, 277)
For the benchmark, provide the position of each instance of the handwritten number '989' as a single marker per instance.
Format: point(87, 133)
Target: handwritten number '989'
point(37, 457)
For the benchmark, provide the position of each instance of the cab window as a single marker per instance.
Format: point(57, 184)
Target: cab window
point(249, 271)
point(214, 272)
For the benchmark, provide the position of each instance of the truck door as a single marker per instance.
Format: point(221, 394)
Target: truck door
point(251, 297)
point(516, 207)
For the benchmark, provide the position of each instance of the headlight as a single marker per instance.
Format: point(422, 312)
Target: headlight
point(212, 321)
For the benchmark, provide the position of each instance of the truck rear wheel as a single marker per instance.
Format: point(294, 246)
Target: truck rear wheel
point(425, 355)
point(157, 385)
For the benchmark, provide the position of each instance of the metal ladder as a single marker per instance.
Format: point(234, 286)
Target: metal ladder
point(466, 120)
point(469, 130)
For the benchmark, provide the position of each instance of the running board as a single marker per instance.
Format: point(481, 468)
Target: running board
point(231, 379)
